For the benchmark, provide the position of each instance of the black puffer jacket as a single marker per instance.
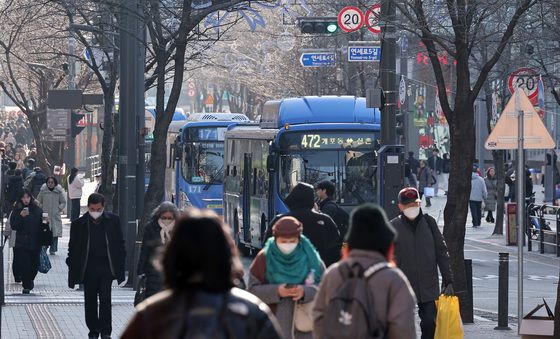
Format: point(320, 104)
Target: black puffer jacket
point(27, 228)
point(170, 315)
point(151, 243)
point(318, 227)
point(15, 188)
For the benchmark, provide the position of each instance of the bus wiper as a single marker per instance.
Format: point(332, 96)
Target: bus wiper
point(213, 178)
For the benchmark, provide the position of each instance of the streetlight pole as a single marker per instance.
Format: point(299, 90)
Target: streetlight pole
point(387, 69)
point(131, 117)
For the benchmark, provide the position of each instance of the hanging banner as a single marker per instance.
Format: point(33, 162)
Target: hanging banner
point(420, 118)
point(541, 101)
point(439, 111)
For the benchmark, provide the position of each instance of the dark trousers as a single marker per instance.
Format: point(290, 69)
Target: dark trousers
point(427, 314)
point(16, 267)
point(476, 212)
point(54, 245)
point(428, 201)
point(97, 282)
point(75, 209)
point(27, 263)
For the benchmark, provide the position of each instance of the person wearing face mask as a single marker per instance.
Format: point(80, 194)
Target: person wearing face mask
point(156, 234)
point(52, 199)
point(286, 271)
point(26, 219)
point(419, 251)
point(96, 257)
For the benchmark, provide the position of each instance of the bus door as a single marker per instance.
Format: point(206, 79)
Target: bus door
point(246, 198)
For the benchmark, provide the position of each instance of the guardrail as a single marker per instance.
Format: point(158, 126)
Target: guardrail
point(94, 166)
point(539, 220)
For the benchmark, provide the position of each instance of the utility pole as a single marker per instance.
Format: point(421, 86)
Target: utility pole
point(131, 105)
point(71, 152)
point(387, 69)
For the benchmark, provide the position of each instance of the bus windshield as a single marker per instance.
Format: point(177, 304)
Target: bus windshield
point(203, 163)
point(347, 159)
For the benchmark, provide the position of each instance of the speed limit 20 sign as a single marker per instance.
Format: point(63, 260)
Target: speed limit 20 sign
point(350, 19)
point(526, 79)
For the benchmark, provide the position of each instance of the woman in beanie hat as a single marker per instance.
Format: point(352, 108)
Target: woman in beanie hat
point(370, 241)
point(286, 271)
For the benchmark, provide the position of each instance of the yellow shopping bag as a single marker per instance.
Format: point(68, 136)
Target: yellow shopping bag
point(448, 319)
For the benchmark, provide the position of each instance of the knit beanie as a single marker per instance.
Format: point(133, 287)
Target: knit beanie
point(370, 229)
point(287, 227)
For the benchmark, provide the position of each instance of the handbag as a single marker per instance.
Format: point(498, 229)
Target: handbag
point(44, 261)
point(303, 317)
point(45, 235)
point(429, 192)
point(448, 318)
point(140, 294)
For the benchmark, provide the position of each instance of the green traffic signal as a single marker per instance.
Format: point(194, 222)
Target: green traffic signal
point(318, 25)
point(332, 27)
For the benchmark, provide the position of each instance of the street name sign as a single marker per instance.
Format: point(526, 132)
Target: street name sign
point(505, 133)
point(318, 59)
point(364, 53)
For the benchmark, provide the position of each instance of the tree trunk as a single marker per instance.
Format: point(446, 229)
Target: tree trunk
point(499, 161)
point(47, 155)
point(107, 149)
point(455, 213)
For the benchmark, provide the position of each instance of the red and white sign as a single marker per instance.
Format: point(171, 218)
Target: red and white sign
point(373, 15)
point(526, 79)
point(191, 92)
point(350, 19)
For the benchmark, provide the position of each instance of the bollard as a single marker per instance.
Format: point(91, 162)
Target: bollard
point(469, 318)
point(503, 290)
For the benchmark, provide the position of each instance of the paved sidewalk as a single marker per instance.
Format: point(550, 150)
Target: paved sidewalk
point(53, 310)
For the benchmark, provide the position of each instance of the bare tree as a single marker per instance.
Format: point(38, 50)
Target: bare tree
point(454, 27)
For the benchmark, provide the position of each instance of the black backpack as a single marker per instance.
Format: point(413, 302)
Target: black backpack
point(342, 221)
point(351, 313)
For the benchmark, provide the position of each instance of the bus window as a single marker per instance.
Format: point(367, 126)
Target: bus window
point(203, 163)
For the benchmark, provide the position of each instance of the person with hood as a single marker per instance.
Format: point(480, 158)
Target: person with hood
point(26, 220)
point(319, 228)
point(37, 180)
point(287, 271)
point(478, 194)
point(492, 187)
point(52, 199)
point(419, 251)
point(75, 185)
point(370, 241)
point(156, 234)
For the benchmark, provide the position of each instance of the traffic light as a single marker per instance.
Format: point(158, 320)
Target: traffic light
point(318, 25)
point(400, 126)
point(76, 126)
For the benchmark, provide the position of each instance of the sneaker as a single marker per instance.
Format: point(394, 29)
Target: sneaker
point(26, 291)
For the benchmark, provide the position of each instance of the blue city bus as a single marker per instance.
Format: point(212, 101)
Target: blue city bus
point(199, 160)
point(306, 139)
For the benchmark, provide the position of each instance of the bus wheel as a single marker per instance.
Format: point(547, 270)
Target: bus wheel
point(243, 250)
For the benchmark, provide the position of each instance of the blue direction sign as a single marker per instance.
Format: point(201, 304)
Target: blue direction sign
point(364, 53)
point(318, 59)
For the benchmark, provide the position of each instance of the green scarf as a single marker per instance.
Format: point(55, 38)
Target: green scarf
point(292, 268)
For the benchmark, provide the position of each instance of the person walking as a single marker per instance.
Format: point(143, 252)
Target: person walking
point(14, 190)
point(96, 257)
point(156, 234)
point(319, 228)
point(325, 191)
point(425, 179)
point(52, 199)
point(478, 195)
point(491, 183)
point(199, 264)
point(369, 254)
point(419, 251)
point(435, 162)
point(36, 180)
point(75, 185)
point(446, 168)
point(26, 220)
point(285, 272)
point(414, 165)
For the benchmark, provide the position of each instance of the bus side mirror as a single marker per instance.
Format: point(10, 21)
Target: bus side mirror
point(271, 163)
point(178, 150)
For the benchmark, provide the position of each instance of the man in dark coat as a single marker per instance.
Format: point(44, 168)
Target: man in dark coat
point(14, 189)
point(419, 250)
point(39, 178)
point(96, 256)
point(318, 227)
point(435, 163)
point(324, 191)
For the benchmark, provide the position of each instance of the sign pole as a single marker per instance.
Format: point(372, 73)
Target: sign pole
point(520, 180)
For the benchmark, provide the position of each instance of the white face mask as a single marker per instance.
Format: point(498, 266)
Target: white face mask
point(95, 215)
point(412, 212)
point(287, 248)
point(168, 224)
